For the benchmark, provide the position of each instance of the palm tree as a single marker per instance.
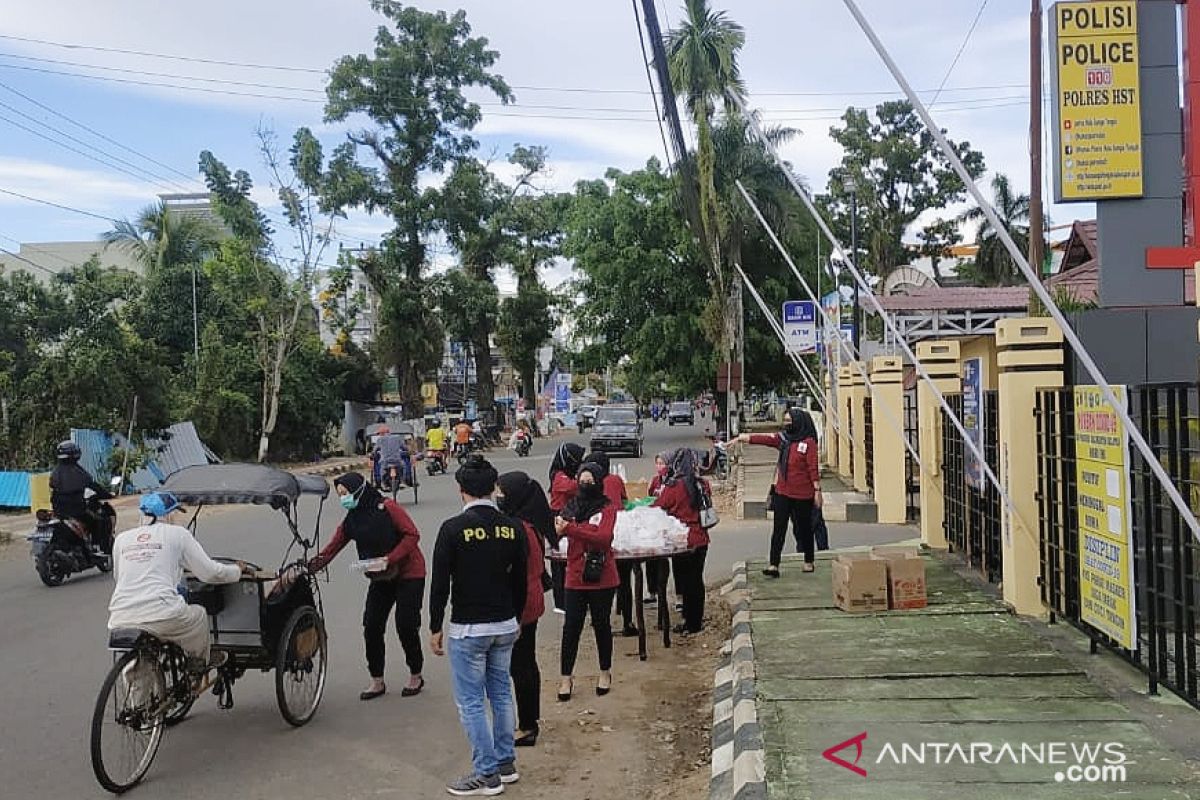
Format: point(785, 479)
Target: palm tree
point(159, 239)
point(702, 59)
point(993, 264)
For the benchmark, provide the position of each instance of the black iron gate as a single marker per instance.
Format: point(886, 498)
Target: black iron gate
point(972, 516)
point(869, 443)
point(912, 473)
point(1166, 556)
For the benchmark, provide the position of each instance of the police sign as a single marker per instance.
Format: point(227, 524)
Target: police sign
point(800, 326)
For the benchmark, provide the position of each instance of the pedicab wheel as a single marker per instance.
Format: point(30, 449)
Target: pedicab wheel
point(300, 665)
point(174, 670)
point(127, 724)
point(416, 487)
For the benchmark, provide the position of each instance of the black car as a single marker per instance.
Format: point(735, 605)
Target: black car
point(617, 429)
point(681, 413)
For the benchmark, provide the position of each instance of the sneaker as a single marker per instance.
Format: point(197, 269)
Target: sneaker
point(508, 772)
point(470, 785)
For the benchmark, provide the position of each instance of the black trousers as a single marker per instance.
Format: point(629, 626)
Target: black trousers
point(799, 514)
point(527, 679)
point(581, 602)
point(689, 583)
point(558, 583)
point(406, 595)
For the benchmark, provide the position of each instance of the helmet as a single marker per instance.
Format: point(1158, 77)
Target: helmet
point(67, 451)
point(158, 504)
point(435, 423)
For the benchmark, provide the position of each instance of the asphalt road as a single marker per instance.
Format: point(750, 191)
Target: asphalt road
point(53, 659)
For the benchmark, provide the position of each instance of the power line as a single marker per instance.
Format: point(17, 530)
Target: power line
point(961, 48)
point(52, 204)
point(662, 130)
point(20, 257)
point(25, 246)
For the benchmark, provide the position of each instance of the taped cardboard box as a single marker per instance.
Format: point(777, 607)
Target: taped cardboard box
point(905, 576)
point(860, 583)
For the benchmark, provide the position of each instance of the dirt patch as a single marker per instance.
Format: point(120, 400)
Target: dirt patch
point(650, 738)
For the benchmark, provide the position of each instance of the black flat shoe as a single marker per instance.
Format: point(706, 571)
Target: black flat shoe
point(603, 690)
point(565, 696)
point(372, 694)
point(771, 572)
point(630, 631)
point(528, 740)
point(407, 692)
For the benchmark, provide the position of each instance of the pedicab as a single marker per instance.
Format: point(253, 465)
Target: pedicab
point(268, 621)
point(389, 479)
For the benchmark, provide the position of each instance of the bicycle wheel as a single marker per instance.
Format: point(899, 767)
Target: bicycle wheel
point(416, 488)
point(178, 686)
point(300, 665)
point(127, 724)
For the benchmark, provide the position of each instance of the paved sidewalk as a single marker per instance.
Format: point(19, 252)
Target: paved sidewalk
point(963, 671)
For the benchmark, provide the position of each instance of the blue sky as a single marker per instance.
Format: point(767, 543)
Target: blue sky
point(809, 49)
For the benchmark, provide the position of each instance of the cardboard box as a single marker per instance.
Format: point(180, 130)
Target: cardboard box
point(905, 576)
point(860, 583)
point(637, 489)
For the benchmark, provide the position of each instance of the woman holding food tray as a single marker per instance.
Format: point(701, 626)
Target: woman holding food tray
point(389, 557)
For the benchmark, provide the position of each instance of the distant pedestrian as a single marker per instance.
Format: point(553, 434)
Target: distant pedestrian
point(479, 566)
point(682, 497)
point(521, 497)
point(380, 528)
point(797, 486)
point(588, 522)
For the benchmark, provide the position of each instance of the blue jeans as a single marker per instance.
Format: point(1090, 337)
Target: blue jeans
point(480, 665)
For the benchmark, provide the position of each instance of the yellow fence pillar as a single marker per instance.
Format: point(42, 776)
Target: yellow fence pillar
point(847, 422)
point(941, 360)
point(830, 433)
point(858, 439)
point(1030, 358)
point(887, 460)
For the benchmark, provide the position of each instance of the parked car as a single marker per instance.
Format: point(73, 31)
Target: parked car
point(617, 429)
point(681, 413)
point(585, 417)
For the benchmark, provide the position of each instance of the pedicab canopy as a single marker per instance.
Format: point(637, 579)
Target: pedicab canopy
point(226, 484)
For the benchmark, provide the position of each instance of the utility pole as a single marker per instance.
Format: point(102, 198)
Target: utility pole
point(1037, 225)
point(856, 324)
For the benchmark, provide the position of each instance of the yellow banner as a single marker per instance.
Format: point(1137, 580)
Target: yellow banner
point(1105, 524)
point(1098, 100)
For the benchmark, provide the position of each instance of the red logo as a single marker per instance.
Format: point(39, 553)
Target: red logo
point(143, 537)
point(856, 741)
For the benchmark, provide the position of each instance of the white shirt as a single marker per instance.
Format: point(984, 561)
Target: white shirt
point(148, 564)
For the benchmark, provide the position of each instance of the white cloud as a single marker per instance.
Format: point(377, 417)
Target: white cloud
point(89, 190)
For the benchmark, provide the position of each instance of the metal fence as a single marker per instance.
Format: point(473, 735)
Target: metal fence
point(912, 473)
point(869, 438)
point(972, 516)
point(1166, 557)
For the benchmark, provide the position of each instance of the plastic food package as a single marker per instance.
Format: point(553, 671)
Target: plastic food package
point(648, 530)
point(369, 565)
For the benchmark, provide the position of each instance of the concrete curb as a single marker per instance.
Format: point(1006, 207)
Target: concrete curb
point(738, 753)
point(337, 469)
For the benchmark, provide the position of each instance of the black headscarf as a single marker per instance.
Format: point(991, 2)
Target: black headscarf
point(682, 468)
point(566, 459)
point(525, 499)
point(800, 426)
point(368, 524)
point(590, 498)
point(600, 457)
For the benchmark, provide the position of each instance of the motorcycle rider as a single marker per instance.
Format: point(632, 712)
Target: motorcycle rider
point(148, 565)
point(68, 484)
point(435, 440)
point(392, 452)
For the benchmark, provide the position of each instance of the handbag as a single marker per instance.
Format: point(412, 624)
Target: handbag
point(772, 495)
point(708, 513)
point(820, 529)
point(593, 566)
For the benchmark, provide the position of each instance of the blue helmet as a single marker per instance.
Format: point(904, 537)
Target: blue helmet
point(158, 504)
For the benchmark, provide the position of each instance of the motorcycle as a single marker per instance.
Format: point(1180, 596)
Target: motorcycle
point(522, 444)
point(435, 462)
point(61, 548)
point(716, 463)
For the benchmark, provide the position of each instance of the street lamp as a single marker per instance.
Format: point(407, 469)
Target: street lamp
point(851, 186)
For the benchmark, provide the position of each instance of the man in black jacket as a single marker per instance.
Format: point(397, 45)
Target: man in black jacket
point(479, 566)
point(69, 484)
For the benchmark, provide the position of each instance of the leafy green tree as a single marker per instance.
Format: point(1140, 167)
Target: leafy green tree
point(900, 174)
point(993, 264)
point(642, 285)
point(160, 238)
point(412, 90)
point(936, 240)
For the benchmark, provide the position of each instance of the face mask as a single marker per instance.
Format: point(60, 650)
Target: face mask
point(590, 490)
point(348, 501)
